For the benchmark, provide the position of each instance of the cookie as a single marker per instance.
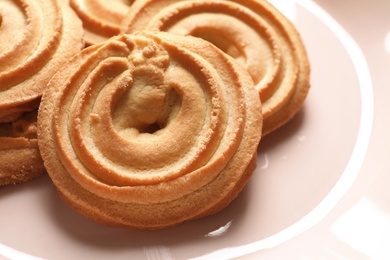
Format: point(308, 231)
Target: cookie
point(20, 160)
point(150, 130)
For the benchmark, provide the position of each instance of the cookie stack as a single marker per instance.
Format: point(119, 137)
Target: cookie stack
point(37, 38)
point(160, 124)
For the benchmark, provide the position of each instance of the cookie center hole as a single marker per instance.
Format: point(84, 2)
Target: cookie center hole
point(150, 129)
point(146, 109)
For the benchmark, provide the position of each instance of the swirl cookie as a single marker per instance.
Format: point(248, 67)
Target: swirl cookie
point(253, 32)
point(101, 18)
point(37, 37)
point(150, 130)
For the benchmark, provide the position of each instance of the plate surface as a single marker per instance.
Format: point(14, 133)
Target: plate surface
point(320, 188)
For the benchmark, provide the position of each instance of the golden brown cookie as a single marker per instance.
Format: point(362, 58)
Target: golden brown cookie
point(150, 130)
point(20, 160)
point(253, 32)
point(37, 38)
point(101, 18)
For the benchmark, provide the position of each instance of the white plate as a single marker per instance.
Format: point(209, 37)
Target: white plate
point(320, 188)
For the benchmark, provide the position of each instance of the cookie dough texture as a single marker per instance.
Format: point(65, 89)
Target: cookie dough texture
point(150, 130)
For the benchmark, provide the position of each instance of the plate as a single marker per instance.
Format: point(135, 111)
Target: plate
point(320, 188)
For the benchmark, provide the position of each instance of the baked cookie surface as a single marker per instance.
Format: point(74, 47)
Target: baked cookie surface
point(37, 37)
point(101, 18)
point(253, 32)
point(150, 130)
point(20, 160)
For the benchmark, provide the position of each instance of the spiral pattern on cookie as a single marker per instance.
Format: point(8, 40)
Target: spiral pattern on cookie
point(37, 37)
point(251, 31)
point(150, 125)
point(101, 18)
